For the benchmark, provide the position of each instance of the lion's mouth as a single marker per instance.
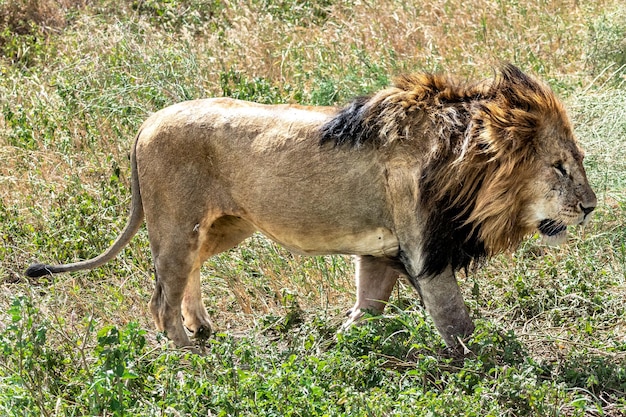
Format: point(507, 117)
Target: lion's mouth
point(553, 231)
point(551, 227)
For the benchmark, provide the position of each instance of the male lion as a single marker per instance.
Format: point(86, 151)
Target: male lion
point(417, 180)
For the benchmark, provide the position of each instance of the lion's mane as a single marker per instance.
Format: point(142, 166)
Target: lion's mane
point(483, 140)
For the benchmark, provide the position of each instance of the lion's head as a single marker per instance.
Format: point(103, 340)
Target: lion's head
point(529, 164)
point(502, 161)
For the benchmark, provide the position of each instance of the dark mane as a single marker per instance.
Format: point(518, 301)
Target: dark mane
point(449, 238)
point(348, 127)
point(474, 190)
point(481, 140)
point(394, 113)
point(384, 117)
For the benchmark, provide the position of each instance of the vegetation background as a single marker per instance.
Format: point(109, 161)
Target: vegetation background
point(77, 77)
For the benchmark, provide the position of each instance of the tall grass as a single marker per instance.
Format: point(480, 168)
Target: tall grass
point(76, 80)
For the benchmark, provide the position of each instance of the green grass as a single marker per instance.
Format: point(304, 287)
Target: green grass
point(78, 78)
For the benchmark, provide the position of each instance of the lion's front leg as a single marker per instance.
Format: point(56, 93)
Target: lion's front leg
point(443, 301)
point(374, 283)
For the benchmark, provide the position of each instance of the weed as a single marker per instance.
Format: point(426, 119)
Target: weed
point(25, 24)
point(117, 370)
point(27, 360)
point(297, 12)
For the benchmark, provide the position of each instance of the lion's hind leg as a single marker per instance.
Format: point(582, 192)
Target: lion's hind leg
point(173, 267)
point(222, 234)
point(177, 297)
point(194, 315)
point(375, 280)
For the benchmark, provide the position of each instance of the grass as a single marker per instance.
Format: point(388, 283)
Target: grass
point(76, 80)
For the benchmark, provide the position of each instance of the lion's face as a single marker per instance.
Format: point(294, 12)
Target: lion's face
point(562, 195)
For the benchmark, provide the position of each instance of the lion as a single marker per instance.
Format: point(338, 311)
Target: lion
point(418, 180)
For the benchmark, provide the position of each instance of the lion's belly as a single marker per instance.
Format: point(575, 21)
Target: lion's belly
point(375, 242)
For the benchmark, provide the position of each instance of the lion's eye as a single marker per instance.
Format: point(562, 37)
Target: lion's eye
point(560, 168)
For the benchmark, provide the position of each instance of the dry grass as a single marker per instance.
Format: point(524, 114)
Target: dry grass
point(547, 36)
point(22, 17)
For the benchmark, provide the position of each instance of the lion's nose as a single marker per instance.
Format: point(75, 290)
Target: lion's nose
point(587, 210)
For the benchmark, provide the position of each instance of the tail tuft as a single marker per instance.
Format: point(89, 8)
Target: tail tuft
point(38, 270)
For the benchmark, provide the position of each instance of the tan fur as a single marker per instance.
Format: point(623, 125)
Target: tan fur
point(399, 179)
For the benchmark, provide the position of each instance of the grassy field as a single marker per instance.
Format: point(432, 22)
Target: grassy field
point(77, 77)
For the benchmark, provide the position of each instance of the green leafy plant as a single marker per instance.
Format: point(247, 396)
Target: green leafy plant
point(28, 360)
point(117, 370)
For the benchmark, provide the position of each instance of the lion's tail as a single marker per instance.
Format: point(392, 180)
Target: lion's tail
point(132, 226)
